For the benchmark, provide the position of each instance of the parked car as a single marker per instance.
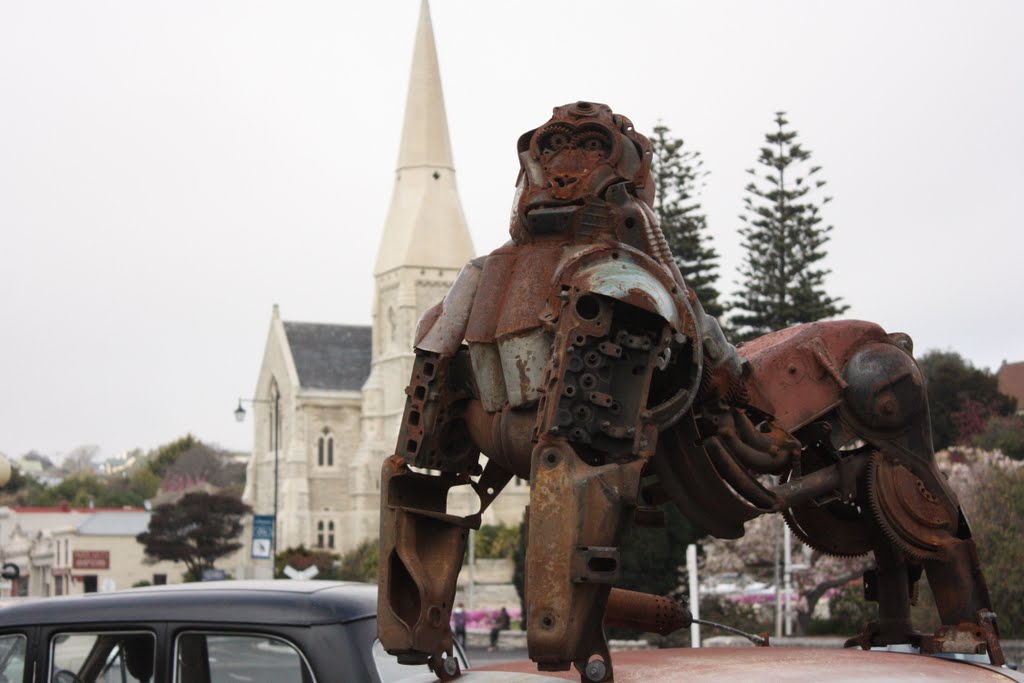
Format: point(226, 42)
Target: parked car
point(215, 632)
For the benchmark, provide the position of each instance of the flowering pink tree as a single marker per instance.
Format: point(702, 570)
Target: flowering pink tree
point(755, 555)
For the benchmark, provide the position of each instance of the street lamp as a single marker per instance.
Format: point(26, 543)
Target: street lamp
point(275, 430)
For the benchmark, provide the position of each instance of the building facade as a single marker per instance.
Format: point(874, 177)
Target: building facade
point(66, 550)
point(338, 391)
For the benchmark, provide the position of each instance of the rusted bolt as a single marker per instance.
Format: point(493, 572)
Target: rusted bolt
point(548, 621)
point(595, 670)
point(552, 458)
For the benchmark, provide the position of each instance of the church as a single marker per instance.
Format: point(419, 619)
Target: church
point(329, 398)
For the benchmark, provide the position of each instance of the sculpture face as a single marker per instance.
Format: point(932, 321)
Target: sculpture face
point(573, 159)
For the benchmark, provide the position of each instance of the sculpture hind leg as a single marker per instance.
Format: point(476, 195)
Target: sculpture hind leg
point(886, 405)
point(863, 477)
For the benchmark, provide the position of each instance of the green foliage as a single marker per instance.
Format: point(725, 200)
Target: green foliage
point(360, 563)
point(783, 277)
point(848, 610)
point(997, 523)
point(679, 174)
point(88, 489)
point(1004, 434)
point(494, 542)
point(951, 381)
point(197, 530)
point(20, 489)
point(519, 565)
point(165, 455)
point(302, 558)
point(652, 557)
point(145, 482)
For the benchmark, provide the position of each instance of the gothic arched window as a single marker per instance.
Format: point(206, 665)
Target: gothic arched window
point(325, 449)
point(330, 535)
point(320, 534)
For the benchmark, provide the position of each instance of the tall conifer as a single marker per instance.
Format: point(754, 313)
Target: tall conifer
point(783, 276)
point(679, 173)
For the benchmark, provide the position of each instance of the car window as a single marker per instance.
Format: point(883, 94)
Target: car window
point(233, 657)
point(12, 658)
point(102, 657)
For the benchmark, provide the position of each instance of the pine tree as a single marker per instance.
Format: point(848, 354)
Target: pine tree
point(784, 241)
point(678, 172)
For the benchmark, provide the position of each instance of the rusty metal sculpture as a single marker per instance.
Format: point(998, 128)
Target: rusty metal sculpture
point(576, 357)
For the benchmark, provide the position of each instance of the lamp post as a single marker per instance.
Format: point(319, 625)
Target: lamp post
point(276, 431)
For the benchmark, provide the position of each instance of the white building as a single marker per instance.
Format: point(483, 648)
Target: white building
point(65, 550)
point(339, 390)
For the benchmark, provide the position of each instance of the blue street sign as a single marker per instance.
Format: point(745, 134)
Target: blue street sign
point(262, 536)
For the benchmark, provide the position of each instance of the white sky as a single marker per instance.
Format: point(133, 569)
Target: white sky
point(169, 170)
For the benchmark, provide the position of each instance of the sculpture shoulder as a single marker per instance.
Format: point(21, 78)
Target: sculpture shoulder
point(442, 327)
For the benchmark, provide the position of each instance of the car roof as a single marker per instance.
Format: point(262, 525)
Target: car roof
point(283, 602)
point(782, 664)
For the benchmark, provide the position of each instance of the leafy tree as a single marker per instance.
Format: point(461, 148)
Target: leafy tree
point(202, 463)
point(496, 541)
point(87, 489)
point(144, 483)
point(360, 563)
point(302, 558)
point(1003, 433)
point(166, 455)
point(197, 530)
point(951, 381)
point(19, 489)
point(679, 173)
point(991, 489)
point(652, 558)
point(81, 460)
point(783, 276)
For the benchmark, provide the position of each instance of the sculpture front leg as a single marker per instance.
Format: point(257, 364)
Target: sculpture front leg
point(576, 518)
point(421, 543)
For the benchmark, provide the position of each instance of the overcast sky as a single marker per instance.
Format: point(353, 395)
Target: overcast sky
point(169, 170)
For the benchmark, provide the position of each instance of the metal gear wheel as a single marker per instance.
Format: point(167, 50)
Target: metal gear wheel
point(917, 519)
point(834, 529)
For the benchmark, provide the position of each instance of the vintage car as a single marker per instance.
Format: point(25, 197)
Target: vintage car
point(740, 664)
point(215, 632)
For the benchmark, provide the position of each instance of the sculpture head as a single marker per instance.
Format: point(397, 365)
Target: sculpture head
point(573, 159)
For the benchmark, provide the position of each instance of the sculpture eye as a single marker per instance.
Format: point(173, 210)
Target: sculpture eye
point(595, 142)
point(555, 142)
point(555, 138)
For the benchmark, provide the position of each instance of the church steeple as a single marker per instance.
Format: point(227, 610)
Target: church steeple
point(425, 227)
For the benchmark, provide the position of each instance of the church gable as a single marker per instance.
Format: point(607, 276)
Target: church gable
point(333, 357)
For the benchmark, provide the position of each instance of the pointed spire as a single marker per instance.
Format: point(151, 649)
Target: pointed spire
point(425, 139)
point(425, 226)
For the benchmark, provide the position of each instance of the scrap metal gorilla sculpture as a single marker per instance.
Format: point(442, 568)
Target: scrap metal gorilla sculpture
point(576, 357)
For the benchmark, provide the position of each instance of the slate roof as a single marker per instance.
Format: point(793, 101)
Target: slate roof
point(330, 356)
point(121, 523)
